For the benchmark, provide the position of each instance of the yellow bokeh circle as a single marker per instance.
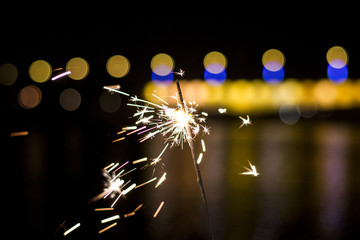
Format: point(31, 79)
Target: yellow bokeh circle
point(118, 66)
point(40, 71)
point(78, 67)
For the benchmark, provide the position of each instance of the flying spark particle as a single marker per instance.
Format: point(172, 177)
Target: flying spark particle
point(107, 228)
point(18, 134)
point(110, 219)
point(161, 180)
point(181, 72)
point(118, 140)
point(203, 145)
point(222, 110)
point(245, 121)
point(158, 209)
point(147, 182)
point(72, 229)
point(251, 171)
point(144, 159)
point(199, 158)
point(103, 209)
point(61, 75)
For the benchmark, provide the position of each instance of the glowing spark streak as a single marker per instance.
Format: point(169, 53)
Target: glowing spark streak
point(114, 166)
point(112, 205)
point(114, 90)
point(158, 209)
point(122, 166)
point(245, 121)
point(142, 100)
point(140, 160)
point(151, 180)
point(129, 128)
point(161, 99)
point(128, 172)
point(108, 227)
point(150, 135)
point(158, 158)
point(161, 180)
point(17, 134)
point(72, 229)
point(116, 177)
point(138, 207)
point(110, 219)
point(129, 215)
point(126, 191)
point(129, 133)
point(103, 209)
point(203, 145)
point(137, 105)
point(110, 165)
point(61, 75)
point(251, 171)
point(118, 140)
point(205, 114)
point(199, 158)
point(144, 120)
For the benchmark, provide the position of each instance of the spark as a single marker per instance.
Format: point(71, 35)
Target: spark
point(111, 89)
point(140, 160)
point(61, 75)
point(181, 72)
point(161, 180)
point(110, 219)
point(251, 171)
point(17, 134)
point(203, 145)
point(107, 228)
point(158, 209)
point(103, 209)
point(199, 158)
point(129, 214)
point(113, 167)
point(118, 139)
point(147, 182)
point(126, 191)
point(72, 229)
point(222, 110)
point(245, 121)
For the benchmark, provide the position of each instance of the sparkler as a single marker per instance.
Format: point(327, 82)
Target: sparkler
point(178, 124)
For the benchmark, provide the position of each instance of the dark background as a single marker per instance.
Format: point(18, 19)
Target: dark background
point(308, 187)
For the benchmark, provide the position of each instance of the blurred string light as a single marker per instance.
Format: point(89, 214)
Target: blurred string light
point(337, 59)
point(162, 66)
point(256, 96)
point(273, 61)
point(118, 66)
point(215, 64)
point(78, 67)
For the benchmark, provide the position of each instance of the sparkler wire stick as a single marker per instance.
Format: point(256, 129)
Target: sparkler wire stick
point(194, 158)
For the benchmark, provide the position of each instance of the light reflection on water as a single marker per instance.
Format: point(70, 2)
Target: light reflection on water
point(305, 190)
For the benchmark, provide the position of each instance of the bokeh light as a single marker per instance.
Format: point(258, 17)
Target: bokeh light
point(337, 75)
point(118, 66)
point(70, 99)
point(215, 78)
point(162, 64)
point(273, 77)
point(29, 97)
point(325, 94)
point(78, 67)
point(337, 57)
point(215, 62)
point(40, 71)
point(8, 74)
point(273, 60)
point(109, 102)
point(162, 80)
point(289, 114)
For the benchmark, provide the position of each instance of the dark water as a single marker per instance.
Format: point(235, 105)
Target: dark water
point(308, 187)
